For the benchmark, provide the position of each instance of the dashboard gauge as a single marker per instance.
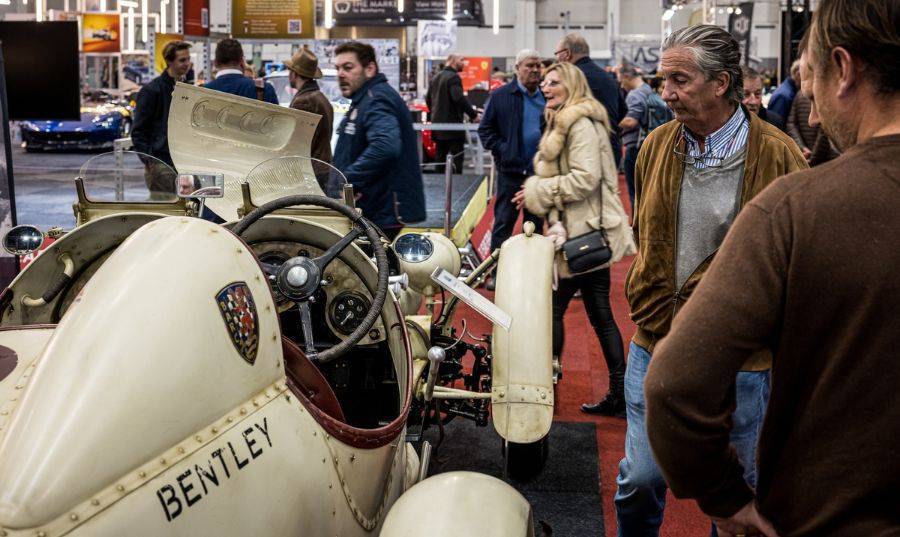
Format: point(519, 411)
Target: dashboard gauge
point(347, 310)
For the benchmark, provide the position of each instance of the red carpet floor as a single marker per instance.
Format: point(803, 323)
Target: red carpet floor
point(585, 379)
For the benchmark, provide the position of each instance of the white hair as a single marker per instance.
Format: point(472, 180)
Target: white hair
point(526, 53)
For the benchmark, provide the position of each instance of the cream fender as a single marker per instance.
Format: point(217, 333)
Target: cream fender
point(460, 503)
point(522, 394)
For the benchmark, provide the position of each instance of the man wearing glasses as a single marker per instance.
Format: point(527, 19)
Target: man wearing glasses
point(574, 49)
point(692, 177)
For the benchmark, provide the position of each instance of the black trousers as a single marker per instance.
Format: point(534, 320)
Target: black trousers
point(594, 288)
point(505, 212)
point(631, 154)
point(452, 147)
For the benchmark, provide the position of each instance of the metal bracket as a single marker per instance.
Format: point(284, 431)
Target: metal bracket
point(522, 393)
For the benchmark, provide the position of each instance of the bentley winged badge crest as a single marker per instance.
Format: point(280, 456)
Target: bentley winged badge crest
point(239, 313)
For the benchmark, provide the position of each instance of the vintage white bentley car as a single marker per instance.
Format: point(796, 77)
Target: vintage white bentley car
point(161, 374)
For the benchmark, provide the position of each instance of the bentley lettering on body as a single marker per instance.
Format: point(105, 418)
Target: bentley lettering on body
point(201, 480)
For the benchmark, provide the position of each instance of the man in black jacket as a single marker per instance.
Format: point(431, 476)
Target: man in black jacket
point(575, 49)
point(151, 119)
point(448, 104)
point(511, 131)
point(753, 89)
point(376, 148)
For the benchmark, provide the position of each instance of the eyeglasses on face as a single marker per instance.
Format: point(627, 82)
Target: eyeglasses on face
point(550, 83)
point(560, 51)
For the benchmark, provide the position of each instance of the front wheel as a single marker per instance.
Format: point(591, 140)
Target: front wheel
point(525, 461)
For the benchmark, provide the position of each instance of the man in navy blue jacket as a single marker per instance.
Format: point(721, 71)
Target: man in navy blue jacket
point(376, 146)
point(575, 49)
point(511, 129)
point(230, 77)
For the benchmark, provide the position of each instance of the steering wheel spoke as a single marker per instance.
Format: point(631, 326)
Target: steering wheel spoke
point(306, 325)
point(326, 258)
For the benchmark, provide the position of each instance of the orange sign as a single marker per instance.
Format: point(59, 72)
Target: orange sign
point(476, 74)
point(161, 40)
point(100, 32)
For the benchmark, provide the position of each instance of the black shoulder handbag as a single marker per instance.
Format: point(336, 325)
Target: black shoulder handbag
point(590, 250)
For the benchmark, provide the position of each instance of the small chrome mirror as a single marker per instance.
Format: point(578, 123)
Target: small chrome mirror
point(22, 240)
point(200, 185)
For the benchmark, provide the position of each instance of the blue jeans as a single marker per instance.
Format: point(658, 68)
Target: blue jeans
point(641, 495)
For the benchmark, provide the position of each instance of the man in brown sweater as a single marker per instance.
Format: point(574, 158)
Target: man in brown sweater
point(808, 271)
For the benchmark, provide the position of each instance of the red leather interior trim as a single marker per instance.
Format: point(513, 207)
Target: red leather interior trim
point(8, 361)
point(305, 380)
point(368, 438)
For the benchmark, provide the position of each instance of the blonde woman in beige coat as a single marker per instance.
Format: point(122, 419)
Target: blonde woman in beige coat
point(575, 176)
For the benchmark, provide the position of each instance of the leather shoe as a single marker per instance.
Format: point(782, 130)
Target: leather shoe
point(611, 405)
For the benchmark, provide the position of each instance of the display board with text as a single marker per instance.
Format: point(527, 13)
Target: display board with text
point(385, 13)
point(272, 19)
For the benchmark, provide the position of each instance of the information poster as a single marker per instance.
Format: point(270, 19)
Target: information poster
point(159, 43)
point(100, 32)
point(196, 18)
point(272, 19)
point(476, 74)
point(436, 39)
point(384, 12)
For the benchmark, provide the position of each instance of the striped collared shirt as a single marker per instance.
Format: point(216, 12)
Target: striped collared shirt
point(723, 143)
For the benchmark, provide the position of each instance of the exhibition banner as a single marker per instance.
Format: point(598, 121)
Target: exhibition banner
point(436, 39)
point(639, 50)
point(272, 19)
point(196, 17)
point(387, 54)
point(100, 32)
point(159, 43)
point(739, 26)
point(384, 12)
point(476, 74)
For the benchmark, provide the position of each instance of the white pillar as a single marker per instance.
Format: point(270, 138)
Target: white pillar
point(526, 24)
point(612, 25)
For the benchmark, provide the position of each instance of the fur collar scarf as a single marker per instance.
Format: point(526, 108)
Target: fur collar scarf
point(555, 139)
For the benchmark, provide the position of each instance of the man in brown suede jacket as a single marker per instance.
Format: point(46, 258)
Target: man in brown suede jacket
point(810, 271)
point(692, 177)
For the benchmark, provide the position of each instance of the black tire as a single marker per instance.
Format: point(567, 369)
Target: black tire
point(525, 461)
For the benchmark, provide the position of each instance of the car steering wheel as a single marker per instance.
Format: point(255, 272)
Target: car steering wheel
point(300, 277)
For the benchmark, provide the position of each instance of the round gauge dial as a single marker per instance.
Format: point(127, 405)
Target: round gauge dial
point(347, 310)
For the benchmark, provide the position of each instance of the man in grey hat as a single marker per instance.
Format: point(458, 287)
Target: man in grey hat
point(303, 68)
